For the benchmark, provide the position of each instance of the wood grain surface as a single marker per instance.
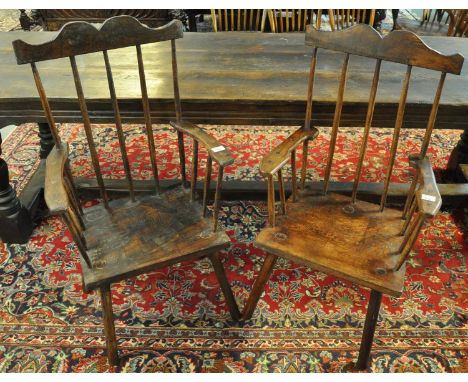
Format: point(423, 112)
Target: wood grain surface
point(231, 77)
point(361, 247)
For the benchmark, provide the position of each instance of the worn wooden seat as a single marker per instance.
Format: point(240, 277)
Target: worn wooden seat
point(130, 238)
point(122, 238)
point(362, 242)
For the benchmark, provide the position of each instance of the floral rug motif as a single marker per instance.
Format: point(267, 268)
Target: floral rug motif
point(175, 319)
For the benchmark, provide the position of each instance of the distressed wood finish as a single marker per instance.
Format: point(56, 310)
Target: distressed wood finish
point(277, 158)
point(403, 47)
point(155, 232)
point(340, 235)
point(237, 87)
point(77, 38)
point(356, 241)
point(131, 235)
point(222, 157)
point(55, 194)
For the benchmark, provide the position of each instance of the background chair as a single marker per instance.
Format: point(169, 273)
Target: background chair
point(344, 18)
point(295, 20)
point(458, 26)
point(122, 238)
point(440, 22)
point(361, 242)
point(225, 20)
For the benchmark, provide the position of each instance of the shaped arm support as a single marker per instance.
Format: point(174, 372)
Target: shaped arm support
point(281, 154)
point(427, 195)
point(219, 153)
point(55, 191)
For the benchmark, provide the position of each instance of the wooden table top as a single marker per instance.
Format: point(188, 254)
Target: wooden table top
point(230, 77)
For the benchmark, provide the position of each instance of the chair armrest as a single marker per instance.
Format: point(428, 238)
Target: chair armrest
point(222, 157)
point(280, 155)
point(55, 193)
point(428, 196)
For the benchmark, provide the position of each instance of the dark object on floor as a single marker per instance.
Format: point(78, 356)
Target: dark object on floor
point(367, 244)
point(126, 237)
point(15, 220)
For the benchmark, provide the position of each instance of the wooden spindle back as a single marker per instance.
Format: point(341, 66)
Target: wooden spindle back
point(293, 20)
point(236, 20)
point(79, 38)
point(401, 47)
point(344, 18)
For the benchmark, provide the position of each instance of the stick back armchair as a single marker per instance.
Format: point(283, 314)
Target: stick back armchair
point(125, 237)
point(361, 242)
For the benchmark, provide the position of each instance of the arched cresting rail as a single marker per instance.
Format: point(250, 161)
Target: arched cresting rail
point(362, 242)
point(125, 237)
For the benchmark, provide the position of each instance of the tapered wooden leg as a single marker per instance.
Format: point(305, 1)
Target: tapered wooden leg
point(217, 197)
point(180, 139)
point(369, 330)
point(109, 329)
point(224, 283)
point(259, 285)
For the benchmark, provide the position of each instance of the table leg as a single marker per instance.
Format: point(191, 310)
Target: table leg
point(459, 155)
point(47, 141)
point(15, 222)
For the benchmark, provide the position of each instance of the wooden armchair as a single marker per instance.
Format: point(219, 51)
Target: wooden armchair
point(359, 241)
point(125, 237)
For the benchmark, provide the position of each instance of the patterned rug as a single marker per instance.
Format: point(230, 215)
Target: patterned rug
point(175, 319)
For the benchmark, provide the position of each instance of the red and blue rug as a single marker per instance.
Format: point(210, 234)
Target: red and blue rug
point(175, 319)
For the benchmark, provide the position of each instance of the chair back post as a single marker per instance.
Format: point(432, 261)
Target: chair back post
point(80, 38)
point(45, 105)
point(178, 113)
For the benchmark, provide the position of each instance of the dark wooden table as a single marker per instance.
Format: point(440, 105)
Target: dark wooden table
point(229, 78)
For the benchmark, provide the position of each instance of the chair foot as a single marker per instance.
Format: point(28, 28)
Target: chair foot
point(259, 285)
point(369, 330)
point(224, 283)
point(350, 367)
point(109, 328)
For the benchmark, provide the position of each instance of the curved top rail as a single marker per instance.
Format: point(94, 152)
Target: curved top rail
point(80, 37)
point(399, 46)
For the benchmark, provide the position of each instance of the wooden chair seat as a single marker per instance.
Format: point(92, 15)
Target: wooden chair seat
point(362, 247)
point(131, 238)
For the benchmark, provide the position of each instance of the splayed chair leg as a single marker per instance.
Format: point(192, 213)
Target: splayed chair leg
point(369, 330)
point(109, 328)
point(259, 285)
point(224, 283)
